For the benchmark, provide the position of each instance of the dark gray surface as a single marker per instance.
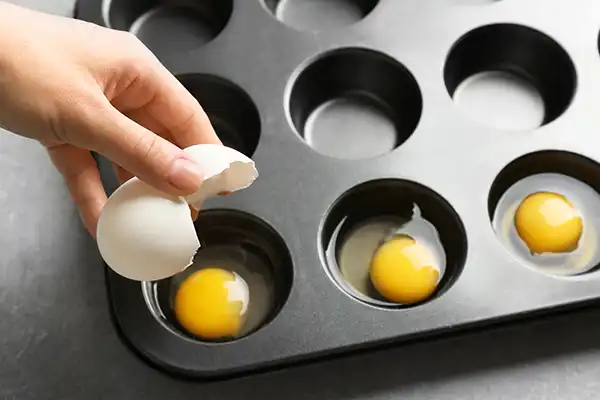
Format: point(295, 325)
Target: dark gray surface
point(57, 340)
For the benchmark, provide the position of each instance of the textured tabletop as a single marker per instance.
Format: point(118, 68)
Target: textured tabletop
point(57, 340)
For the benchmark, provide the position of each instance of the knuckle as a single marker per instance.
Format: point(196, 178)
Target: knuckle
point(136, 64)
point(71, 117)
point(187, 122)
point(147, 148)
point(128, 38)
point(57, 128)
point(132, 48)
point(136, 47)
point(151, 147)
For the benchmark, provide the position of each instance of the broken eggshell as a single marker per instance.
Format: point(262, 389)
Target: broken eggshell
point(144, 234)
point(225, 171)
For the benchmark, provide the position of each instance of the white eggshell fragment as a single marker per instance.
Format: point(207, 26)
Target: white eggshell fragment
point(226, 170)
point(238, 290)
point(144, 234)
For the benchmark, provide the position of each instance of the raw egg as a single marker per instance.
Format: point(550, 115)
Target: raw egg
point(391, 259)
point(404, 270)
point(227, 293)
point(212, 303)
point(550, 222)
point(144, 234)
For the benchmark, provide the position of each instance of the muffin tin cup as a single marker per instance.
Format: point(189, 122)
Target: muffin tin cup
point(352, 113)
point(244, 244)
point(371, 98)
point(511, 62)
point(169, 26)
point(316, 16)
point(387, 200)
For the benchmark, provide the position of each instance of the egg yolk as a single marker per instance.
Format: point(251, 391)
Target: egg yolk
point(404, 271)
point(211, 303)
point(548, 223)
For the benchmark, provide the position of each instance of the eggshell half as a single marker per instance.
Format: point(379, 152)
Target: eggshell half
point(144, 234)
point(226, 170)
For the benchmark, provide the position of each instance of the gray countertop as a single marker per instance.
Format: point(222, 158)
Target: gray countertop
point(57, 340)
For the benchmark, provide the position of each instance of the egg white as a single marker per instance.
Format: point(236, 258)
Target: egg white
point(584, 199)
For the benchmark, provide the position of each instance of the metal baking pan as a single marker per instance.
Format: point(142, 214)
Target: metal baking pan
point(360, 109)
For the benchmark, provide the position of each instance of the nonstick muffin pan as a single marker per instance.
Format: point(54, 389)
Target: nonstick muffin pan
point(356, 111)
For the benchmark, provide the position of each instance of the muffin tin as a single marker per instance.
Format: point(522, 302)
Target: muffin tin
point(358, 109)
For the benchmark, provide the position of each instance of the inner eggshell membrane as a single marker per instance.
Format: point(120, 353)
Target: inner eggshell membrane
point(225, 171)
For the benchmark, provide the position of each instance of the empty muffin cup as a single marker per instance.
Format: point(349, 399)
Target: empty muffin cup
point(510, 77)
point(230, 109)
point(317, 15)
point(166, 26)
point(354, 103)
point(393, 243)
point(240, 279)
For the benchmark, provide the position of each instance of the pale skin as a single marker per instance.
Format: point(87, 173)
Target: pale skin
point(79, 88)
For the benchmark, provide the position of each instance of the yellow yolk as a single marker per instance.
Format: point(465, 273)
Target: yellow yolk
point(548, 223)
point(404, 271)
point(211, 303)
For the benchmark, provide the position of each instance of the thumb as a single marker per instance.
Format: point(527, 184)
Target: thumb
point(145, 154)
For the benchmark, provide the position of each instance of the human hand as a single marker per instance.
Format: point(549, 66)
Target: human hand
point(77, 87)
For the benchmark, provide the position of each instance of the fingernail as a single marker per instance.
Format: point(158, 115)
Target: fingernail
point(185, 175)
